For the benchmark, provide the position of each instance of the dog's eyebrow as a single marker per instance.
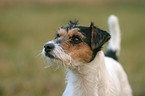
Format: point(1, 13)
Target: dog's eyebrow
point(75, 31)
point(61, 31)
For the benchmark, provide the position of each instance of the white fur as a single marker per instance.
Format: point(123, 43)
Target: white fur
point(114, 42)
point(63, 59)
point(101, 77)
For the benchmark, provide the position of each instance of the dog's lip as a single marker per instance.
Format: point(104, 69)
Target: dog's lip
point(49, 55)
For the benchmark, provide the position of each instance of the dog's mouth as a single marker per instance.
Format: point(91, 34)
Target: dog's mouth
point(49, 55)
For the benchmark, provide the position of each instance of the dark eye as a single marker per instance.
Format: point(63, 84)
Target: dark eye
point(76, 40)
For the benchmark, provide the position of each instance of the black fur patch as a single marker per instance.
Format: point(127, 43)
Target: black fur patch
point(112, 54)
point(99, 36)
point(95, 52)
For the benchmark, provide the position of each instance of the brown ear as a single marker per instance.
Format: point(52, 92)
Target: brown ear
point(99, 37)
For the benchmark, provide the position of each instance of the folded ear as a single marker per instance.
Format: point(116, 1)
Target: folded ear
point(98, 37)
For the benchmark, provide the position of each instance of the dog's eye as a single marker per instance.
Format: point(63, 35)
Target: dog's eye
point(76, 40)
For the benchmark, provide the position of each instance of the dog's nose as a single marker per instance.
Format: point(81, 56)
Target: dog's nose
point(48, 47)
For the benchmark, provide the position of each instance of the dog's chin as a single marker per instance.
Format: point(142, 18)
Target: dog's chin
point(61, 63)
point(60, 59)
point(57, 61)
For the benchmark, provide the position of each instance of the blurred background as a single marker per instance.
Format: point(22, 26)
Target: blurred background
point(26, 25)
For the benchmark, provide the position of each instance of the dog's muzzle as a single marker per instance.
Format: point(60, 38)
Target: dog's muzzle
point(48, 48)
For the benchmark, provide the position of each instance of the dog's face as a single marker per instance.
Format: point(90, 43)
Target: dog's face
point(75, 44)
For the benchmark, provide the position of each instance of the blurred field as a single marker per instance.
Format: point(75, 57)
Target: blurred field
point(25, 27)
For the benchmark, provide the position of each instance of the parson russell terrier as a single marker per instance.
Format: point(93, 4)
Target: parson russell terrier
point(78, 49)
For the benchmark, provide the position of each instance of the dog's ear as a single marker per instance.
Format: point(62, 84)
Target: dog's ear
point(98, 37)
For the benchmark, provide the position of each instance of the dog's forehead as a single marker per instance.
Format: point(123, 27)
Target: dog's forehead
point(73, 29)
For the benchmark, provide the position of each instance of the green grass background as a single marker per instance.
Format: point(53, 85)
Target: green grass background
point(25, 27)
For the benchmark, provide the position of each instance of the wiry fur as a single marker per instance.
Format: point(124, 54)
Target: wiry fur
point(89, 80)
point(59, 56)
point(102, 76)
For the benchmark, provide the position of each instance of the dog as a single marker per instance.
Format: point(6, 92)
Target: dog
point(78, 49)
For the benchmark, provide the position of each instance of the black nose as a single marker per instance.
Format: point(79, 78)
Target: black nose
point(49, 47)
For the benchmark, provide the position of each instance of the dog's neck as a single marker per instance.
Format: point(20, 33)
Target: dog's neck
point(88, 79)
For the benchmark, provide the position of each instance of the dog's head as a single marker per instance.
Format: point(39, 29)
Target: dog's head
point(75, 44)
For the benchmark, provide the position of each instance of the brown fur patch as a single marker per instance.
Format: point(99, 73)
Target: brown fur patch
point(79, 52)
point(75, 31)
point(70, 33)
point(61, 32)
